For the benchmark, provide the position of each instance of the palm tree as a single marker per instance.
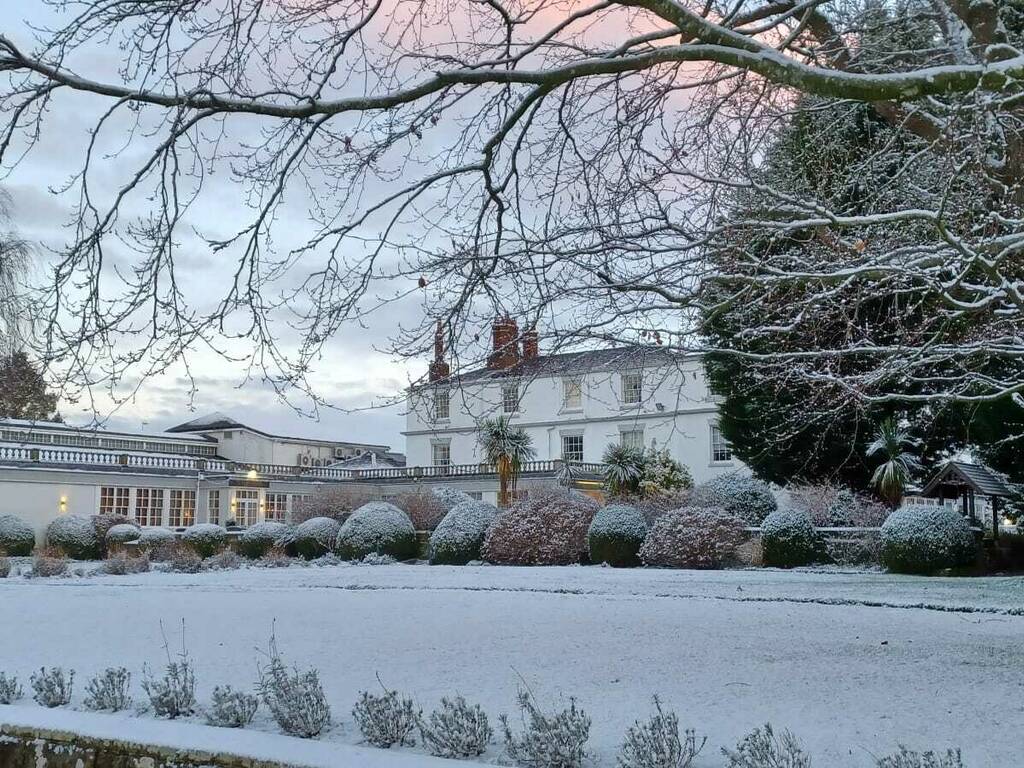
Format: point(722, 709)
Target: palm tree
point(506, 448)
point(894, 444)
point(623, 468)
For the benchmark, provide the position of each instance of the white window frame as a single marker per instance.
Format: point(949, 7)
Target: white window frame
point(213, 506)
point(574, 436)
point(632, 384)
point(275, 506)
point(510, 404)
point(442, 404)
point(181, 508)
point(251, 497)
point(441, 444)
point(149, 506)
point(115, 500)
point(721, 451)
point(572, 385)
point(632, 437)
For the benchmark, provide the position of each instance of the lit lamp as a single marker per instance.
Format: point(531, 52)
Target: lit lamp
point(63, 504)
point(252, 474)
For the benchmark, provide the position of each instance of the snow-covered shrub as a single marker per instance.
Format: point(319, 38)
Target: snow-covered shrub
point(459, 536)
point(276, 558)
point(161, 543)
point(456, 730)
point(295, 699)
point(49, 562)
point(227, 560)
point(123, 564)
point(739, 494)
point(788, 539)
point(52, 686)
point(174, 694)
point(831, 506)
point(123, 533)
point(183, 559)
point(547, 742)
point(691, 537)
point(424, 508)
point(907, 759)
point(5, 567)
point(374, 559)
point(548, 527)
point(923, 539)
point(16, 536)
point(10, 691)
point(449, 498)
point(653, 507)
point(230, 708)
point(102, 525)
point(377, 527)
point(657, 744)
point(206, 539)
point(109, 691)
point(327, 561)
point(75, 536)
point(663, 474)
point(314, 537)
point(259, 539)
point(386, 720)
point(615, 535)
point(335, 502)
point(763, 749)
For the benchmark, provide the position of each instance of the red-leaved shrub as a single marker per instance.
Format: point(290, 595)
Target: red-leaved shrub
point(692, 537)
point(423, 507)
point(334, 502)
point(548, 527)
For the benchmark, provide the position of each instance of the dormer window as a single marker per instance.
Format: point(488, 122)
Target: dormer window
point(509, 398)
point(632, 388)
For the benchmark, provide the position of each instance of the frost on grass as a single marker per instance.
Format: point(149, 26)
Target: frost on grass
point(386, 720)
point(907, 759)
point(558, 741)
point(615, 535)
point(295, 699)
point(763, 749)
point(10, 691)
point(460, 535)
point(456, 729)
point(377, 528)
point(230, 708)
point(16, 536)
point(657, 744)
point(52, 687)
point(739, 494)
point(109, 691)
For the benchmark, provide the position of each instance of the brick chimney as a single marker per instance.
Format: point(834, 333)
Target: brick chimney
point(531, 344)
point(439, 369)
point(505, 345)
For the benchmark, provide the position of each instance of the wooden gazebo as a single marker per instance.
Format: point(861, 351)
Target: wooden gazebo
point(965, 482)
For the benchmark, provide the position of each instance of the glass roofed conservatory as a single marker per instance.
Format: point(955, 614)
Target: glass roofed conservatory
point(53, 434)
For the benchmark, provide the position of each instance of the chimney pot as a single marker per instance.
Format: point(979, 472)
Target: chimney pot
point(531, 344)
point(505, 344)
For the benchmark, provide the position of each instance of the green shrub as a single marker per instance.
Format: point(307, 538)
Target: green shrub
point(460, 534)
point(615, 535)
point(205, 539)
point(74, 536)
point(377, 528)
point(123, 533)
point(259, 539)
point(740, 495)
point(788, 539)
point(924, 539)
point(16, 536)
point(311, 538)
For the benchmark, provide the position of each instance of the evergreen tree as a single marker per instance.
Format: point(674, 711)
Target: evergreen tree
point(23, 392)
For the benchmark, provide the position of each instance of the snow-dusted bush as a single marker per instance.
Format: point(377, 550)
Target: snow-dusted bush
point(206, 539)
point(547, 742)
point(456, 730)
point(295, 699)
point(5, 567)
point(52, 687)
point(16, 536)
point(227, 560)
point(831, 506)
point(174, 694)
point(788, 539)
point(424, 508)
point(449, 498)
point(459, 536)
point(653, 507)
point(102, 525)
point(75, 536)
point(690, 537)
point(123, 533)
point(374, 559)
point(313, 538)
point(548, 527)
point(49, 562)
point(763, 749)
point(386, 720)
point(923, 539)
point(161, 543)
point(907, 759)
point(109, 691)
point(335, 502)
point(657, 744)
point(230, 708)
point(615, 535)
point(123, 564)
point(377, 527)
point(10, 691)
point(276, 558)
point(259, 539)
point(183, 559)
point(740, 495)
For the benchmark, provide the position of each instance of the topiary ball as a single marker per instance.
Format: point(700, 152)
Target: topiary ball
point(616, 534)
point(449, 498)
point(75, 536)
point(693, 537)
point(152, 538)
point(740, 495)
point(259, 539)
point(923, 539)
point(123, 533)
point(460, 534)
point(788, 539)
point(16, 536)
point(313, 538)
point(205, 539)
point(377, 528)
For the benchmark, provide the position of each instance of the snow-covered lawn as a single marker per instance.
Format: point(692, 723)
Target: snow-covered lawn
point(853, 663)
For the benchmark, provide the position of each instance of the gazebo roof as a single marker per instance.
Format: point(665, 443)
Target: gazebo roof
point(981, 480)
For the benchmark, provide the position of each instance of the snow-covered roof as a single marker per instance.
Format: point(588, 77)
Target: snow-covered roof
point(371, 459)
point(979, 478)
point(216, 422)
point(56, 426)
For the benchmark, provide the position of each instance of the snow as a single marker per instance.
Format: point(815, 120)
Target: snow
point(123, 532)
point(377, 528)
point(739, 494)
point(460, 534)
point(852, 662)
point(16, 536)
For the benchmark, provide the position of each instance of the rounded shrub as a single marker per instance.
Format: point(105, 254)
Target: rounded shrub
point(693, 537)
point(313, 538)
point(205, 539)
point(740, 495)
point(75, 537)
point(449, 498)
point(460, 535)
point(123, 533)
point(616, 534)
point(788, 539)
point(548, 527)
point(924, 539)
point(16, 536)
point(156, 537)
point(259, 539)
point(377, 528)
point(102, 524)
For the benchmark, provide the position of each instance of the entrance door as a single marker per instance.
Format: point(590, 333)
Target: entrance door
point(246, 507)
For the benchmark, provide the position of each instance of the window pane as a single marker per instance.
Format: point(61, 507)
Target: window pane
point(633, 438)
point(213, 508)
point(572, 447)
point(442, 404)
point(572, 391)
point(720, 450)
point(149, 506)
point(245, 507)
point(510, 398)
point(632, 388)
point(276, 507)
point(441, 454)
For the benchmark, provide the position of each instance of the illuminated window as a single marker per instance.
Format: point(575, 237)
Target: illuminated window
point(509, 398)
point(572, 394)
point(213, 507)
point(149, 506)
point(182, 509)
point(632, 388)
point(114, 501)
point(720, 449)
point(572, 447)
point(245, 507)
point(275, 507)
